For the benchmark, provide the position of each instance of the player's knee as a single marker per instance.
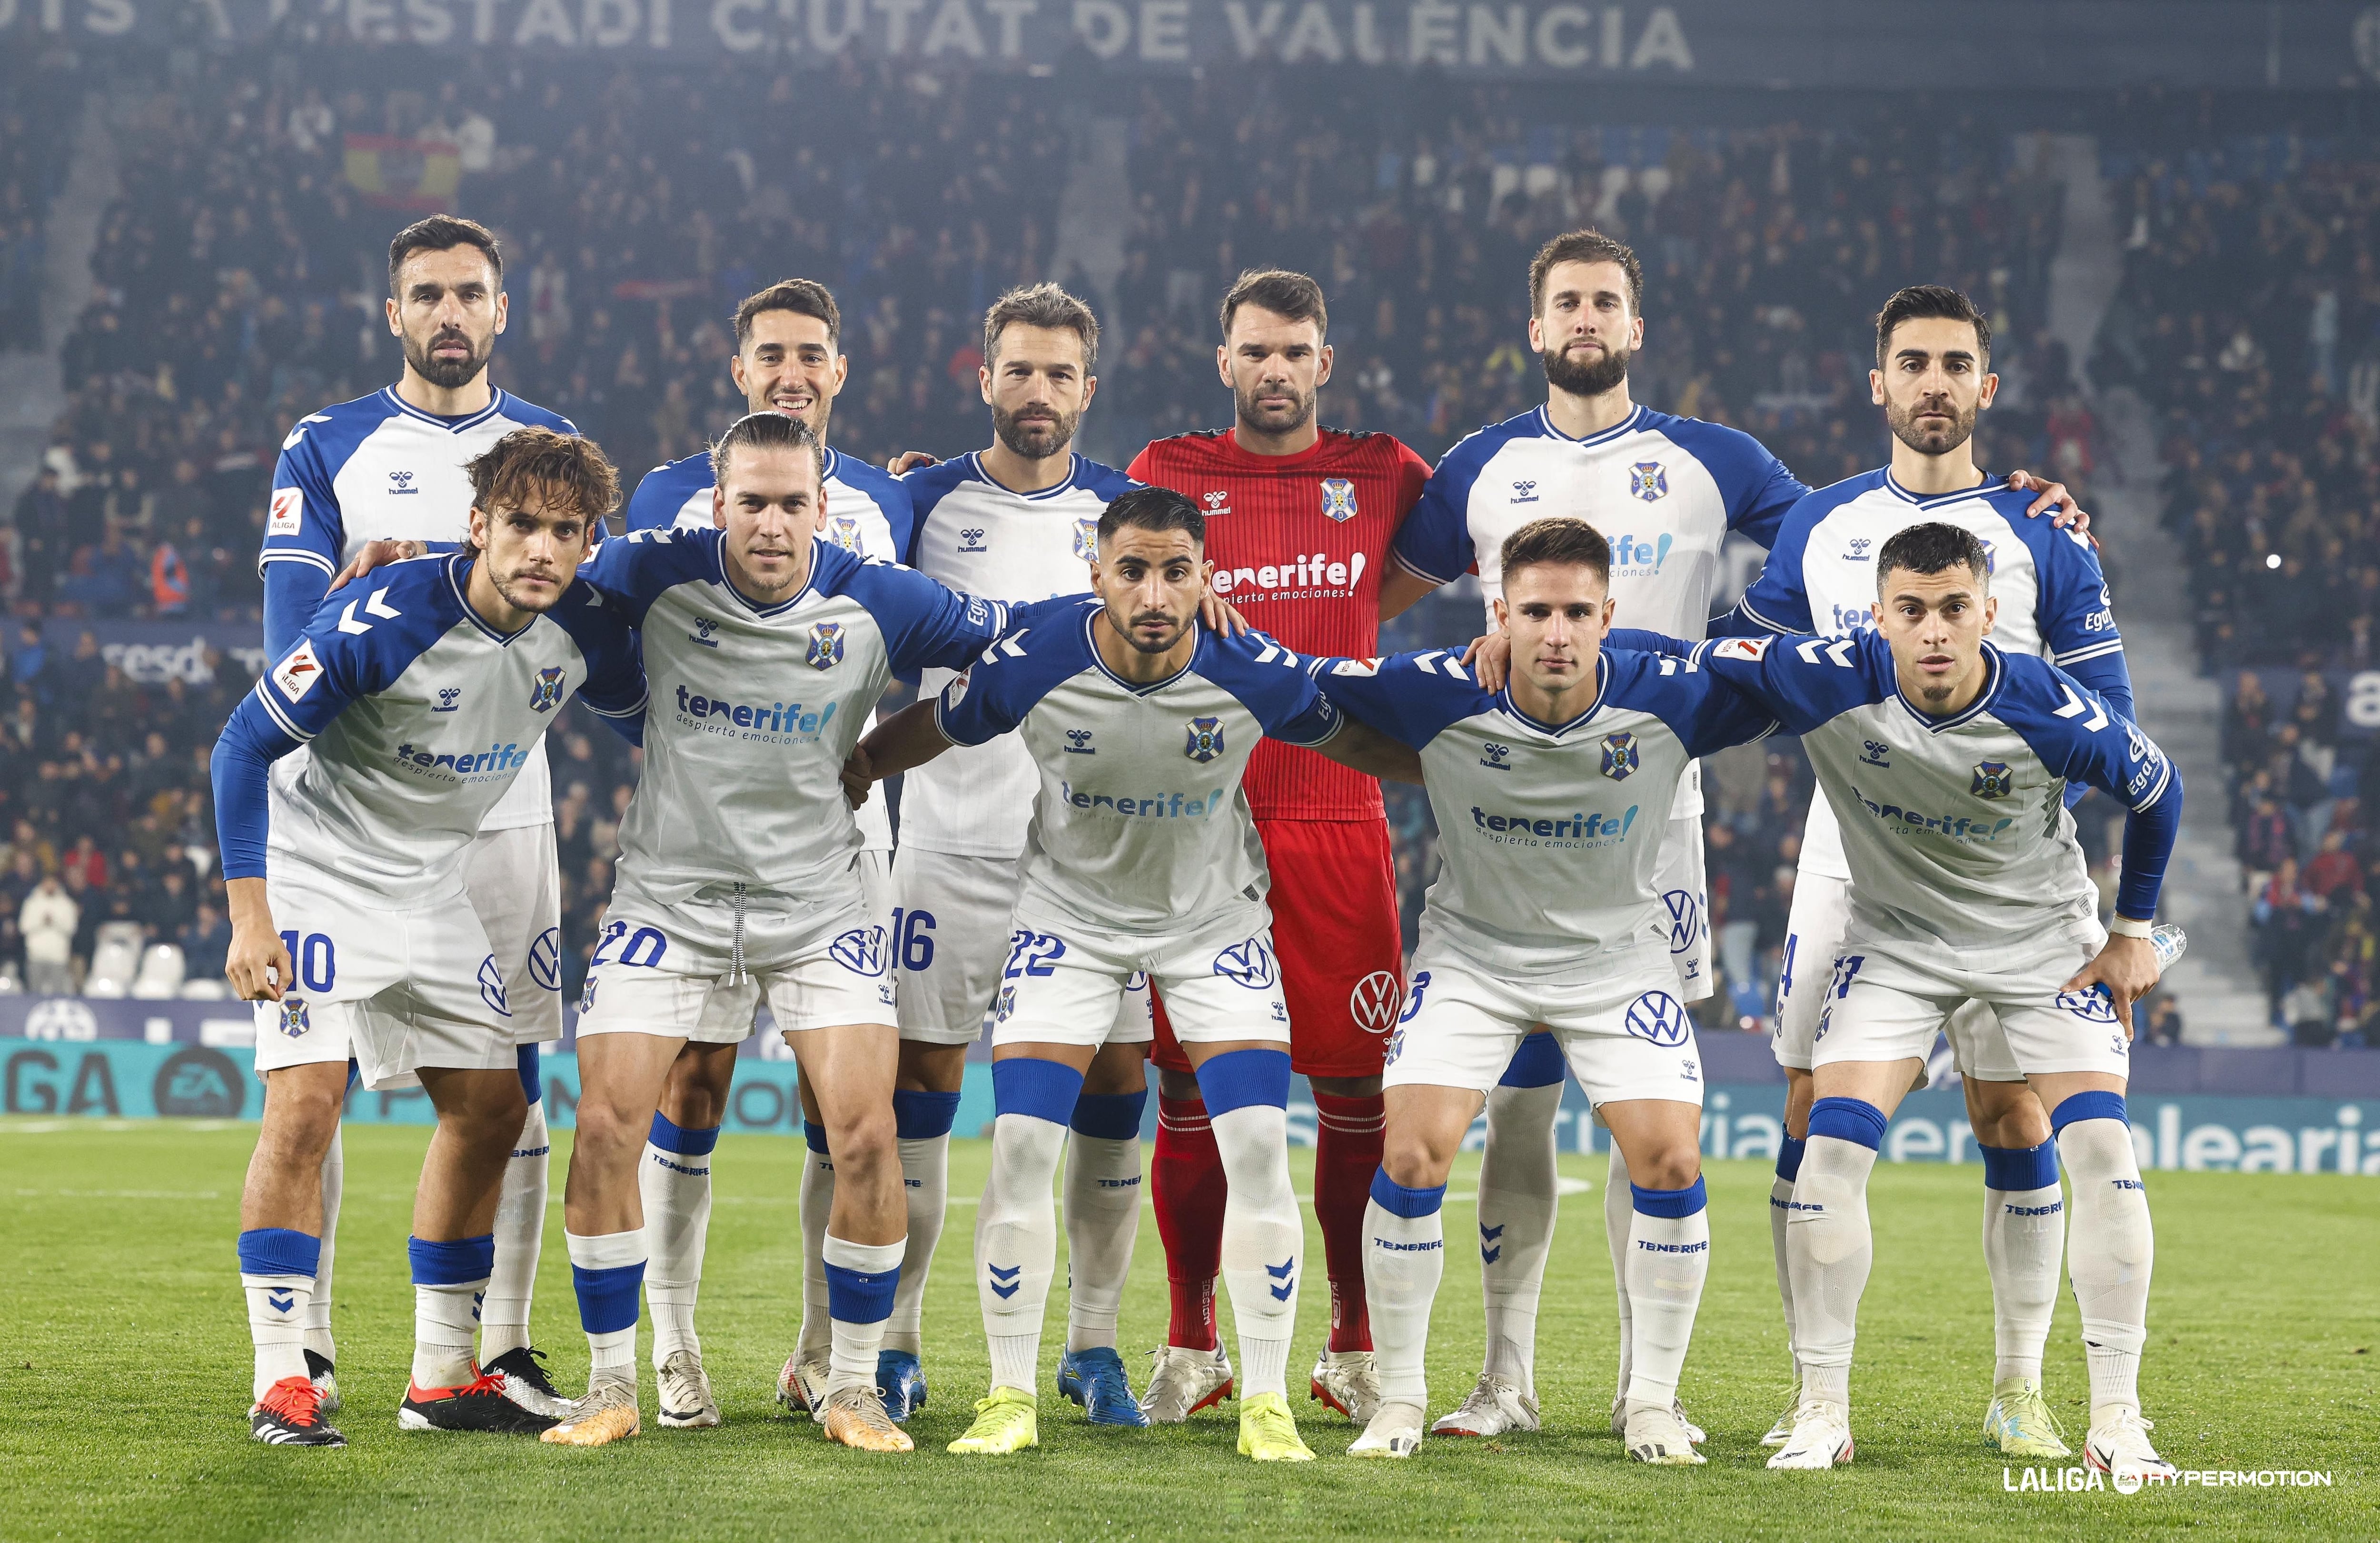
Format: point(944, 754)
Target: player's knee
point(1672, 1165)
point(300, 1116)
point(864, 1140)
point(1414, 1162)
point(1801, 1092)
point(2006, 1115)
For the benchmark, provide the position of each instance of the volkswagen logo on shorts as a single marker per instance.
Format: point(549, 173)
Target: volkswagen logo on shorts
point(2092, 1006)
point(1205, 741)
point(1374, 1002)
point(1685, 919)
point(826, 646)
point(293, 1021)
point(1249, 964)
point(1659, 1018)
point(545, 959)
point(860, 951)
point(491, 986)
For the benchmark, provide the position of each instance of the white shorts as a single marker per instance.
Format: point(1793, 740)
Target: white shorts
point(1886, 1004)
point(1074, 985)
point(516, 886)
point(671, 970)
point(1813, 940)
point(951, 941)
point(1623, 1031)
point(394, 990)
point(733, 1008)
point(1685, 897)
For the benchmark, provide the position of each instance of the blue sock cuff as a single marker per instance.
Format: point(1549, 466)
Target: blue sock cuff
point(670, 1137)
point(1110, 1117)
point(2098, 1105)
point(1788, 1158)
point(607, 1298)
point(816, 1136)
point(918, 1116)
point(1245, 1079)
point(1848, 1120)
point(1037, 1090)
point(451, 1264)
point(2019, 1169)
point(862, 1297)
point(279, 1251)
point(532, 1085)
point(1670, 1203)
point(1537, 1063)
point(1396, 1200)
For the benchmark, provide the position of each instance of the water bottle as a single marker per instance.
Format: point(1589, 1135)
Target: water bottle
point(2169, 941)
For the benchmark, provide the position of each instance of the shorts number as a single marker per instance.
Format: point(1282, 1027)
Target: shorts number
point(1031, 952)
point(1413, 997)
point(913, 938)
point(315, 961)
point(644, 940)
point(1847, 968)
point(1785, 977)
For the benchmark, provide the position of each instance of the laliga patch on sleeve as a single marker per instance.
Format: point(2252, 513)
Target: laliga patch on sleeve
point(295, 675)
point(955, 692)
point(1356, 667)
point(288, 512)
point(1741, 648)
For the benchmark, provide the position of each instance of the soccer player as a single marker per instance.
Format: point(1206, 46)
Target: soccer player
point(1299, 521)
point(1932, 375)
point(1015, 522)
point(1551, 797)
point(1946, 760)
point(788, 360)
point(418, 701)
point(1666, 492)
point(740, 860)
point(1141, 858)
point(391, 465)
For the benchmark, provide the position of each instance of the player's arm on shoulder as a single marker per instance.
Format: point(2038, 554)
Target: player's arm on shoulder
point(928, 624)
point(614, 689)
point(2051, 499)
point(1361, 747)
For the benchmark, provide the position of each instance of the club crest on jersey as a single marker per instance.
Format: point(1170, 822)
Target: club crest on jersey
point(1086, 538)
point(293, 1021)
point(545, 692)
point(1337, 499)
point(846, 532)
point(296, 674)
point(826, 646)
point(1648, 480)
point(1004, 1004)
point(1658, 1018)
point(1992, 780)
point(1619, 755)
point(1205, 741)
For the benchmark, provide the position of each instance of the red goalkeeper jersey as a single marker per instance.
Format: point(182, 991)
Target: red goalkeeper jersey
point(1300, 544)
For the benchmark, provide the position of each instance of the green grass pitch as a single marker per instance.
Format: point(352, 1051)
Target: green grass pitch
point(125, 1379)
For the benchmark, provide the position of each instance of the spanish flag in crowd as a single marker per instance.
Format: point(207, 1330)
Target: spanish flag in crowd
point(403, 174)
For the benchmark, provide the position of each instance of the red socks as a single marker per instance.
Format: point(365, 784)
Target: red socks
point(1186, 1185)
point(1347, 1153)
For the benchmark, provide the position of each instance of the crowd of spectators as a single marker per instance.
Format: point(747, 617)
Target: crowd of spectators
point(2249, 323)
point(239, 279)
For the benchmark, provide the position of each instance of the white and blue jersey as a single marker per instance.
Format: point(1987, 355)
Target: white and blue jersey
point(1820, 578)
point(377, 469)
point(1139, 825)
point(418, 716)
point(1547, 833)
point(972, 533)
point(1956, 828)
point(756, 708)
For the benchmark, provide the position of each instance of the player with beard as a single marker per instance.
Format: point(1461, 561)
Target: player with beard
point(1299, 518)
point(1665, 491)
point(386, 471)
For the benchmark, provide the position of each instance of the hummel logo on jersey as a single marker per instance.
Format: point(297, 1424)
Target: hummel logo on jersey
point(1078, 743)
point(826, 646)
point(1647, 480)
point(1992, 780)
point(545, 694)
point(401, 482)
point(296, 674)
point(1086, 538)
point(1286, 1273)
point(1337, 499)
point(705, 632)
point(1218, 502)
point(293, 1021)
point(449, 698)
point(1005, 1282)
point(1620, 758)
point(971, 539)
point(1658, 1018)
point(1859, 545)
point(1205, 741)
point(1525, 493)
point(1494, 760)
point(1873, 753)
point(1249, 964)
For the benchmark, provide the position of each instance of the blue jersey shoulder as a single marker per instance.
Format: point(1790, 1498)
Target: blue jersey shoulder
point(1270, 680)
point(1016, 671)
point(663, 490)
point(635, 569)
point(1779, 598)
point(530, 416)
point(2078, 733)
point(1434, 539)
point(1105, 481)
point(1754, 485)
point(1704, 711)
point(1413, 697)
point(891, 494)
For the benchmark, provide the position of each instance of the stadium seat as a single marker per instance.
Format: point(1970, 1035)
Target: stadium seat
point(161, 973)
point(115, 960)
point(206, 988)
